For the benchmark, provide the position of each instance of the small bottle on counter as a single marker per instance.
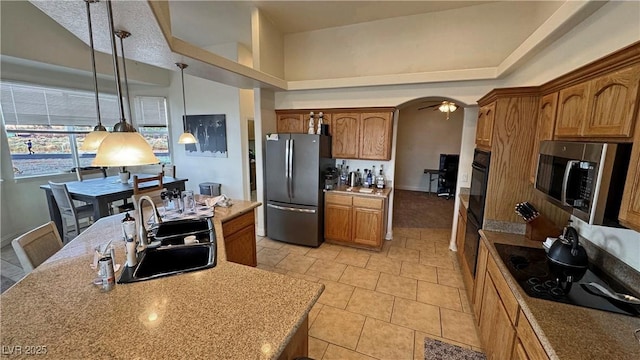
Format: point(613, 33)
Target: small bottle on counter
point(132, 259)
point(380, 179)
point(128, 226)
point(359, 181)
point(369, 179)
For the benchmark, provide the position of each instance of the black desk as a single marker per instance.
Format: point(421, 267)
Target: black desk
point(101, 192)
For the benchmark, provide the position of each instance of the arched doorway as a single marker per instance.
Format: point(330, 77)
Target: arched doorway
point(425, 137)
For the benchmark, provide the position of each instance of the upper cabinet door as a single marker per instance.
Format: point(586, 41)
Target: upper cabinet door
point(544, 130)
point(572, 106)
point(612, 105)
point(345, 140)
point(629, 214)
point(484, 126)
point(375, 135)
point(291, 123)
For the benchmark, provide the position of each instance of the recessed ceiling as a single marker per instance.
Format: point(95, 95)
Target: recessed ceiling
point(206, 23)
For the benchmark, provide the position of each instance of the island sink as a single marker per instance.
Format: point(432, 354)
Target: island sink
point(168, 254)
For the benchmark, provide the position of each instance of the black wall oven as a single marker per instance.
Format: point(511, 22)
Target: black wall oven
point(475, 213)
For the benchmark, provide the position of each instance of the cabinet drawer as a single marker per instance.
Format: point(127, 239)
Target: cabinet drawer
point(508, 300)
point(529, 340)
point(338, 199)
point(234, 225)
point(366, 202)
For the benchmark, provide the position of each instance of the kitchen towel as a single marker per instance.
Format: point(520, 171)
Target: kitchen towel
point(438, 350)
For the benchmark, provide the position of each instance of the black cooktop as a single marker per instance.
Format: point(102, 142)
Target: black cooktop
point(530, 268)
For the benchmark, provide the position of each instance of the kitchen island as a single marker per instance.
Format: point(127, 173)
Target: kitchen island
point(231, 311)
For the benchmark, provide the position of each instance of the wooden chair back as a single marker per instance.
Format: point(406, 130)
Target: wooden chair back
point(69, 212)
point(89, 172)
point(142, 190)
point(37, 245)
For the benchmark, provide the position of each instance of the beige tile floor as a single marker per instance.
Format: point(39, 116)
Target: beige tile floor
point(376, 305)
point(380, 305)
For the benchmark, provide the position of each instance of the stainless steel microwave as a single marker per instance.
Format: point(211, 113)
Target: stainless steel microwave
point(585, 179)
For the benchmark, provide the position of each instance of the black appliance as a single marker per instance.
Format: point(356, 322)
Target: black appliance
point(448, 175)
point(331, 177)
point(294, 182)
point(475, 213)
point(531, 269)
point(585, 179)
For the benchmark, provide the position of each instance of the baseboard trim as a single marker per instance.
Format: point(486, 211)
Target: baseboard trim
point(411, 188)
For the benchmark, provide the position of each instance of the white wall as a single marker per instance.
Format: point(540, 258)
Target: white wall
point(267, 44)
point(422, 136)
point(265, 122)
point(417, 43)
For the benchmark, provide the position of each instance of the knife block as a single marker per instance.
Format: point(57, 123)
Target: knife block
point(540, 228)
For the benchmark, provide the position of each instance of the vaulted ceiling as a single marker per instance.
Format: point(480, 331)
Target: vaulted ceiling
point(167, 32)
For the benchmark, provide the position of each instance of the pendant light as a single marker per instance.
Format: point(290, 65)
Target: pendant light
point(124, 146)
point(95, 137)
point(186, 137)
point(448, 107)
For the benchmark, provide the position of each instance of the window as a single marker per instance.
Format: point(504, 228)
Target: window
point(45, 126)
point(151, 118)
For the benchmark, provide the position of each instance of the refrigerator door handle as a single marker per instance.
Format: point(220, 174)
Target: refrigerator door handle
point(291, 194)
point(286, 164)
point(285, 208)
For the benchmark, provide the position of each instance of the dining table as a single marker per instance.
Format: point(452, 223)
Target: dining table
point(101, 192)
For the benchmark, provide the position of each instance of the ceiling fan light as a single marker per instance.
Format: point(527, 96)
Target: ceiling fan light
point(187, 138)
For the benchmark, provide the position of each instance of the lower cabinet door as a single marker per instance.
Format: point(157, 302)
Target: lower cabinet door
point(337, 222)
point(367, 226)
point(496, 331)
point(241, 246)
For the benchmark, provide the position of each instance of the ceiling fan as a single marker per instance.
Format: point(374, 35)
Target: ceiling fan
point(445, 107)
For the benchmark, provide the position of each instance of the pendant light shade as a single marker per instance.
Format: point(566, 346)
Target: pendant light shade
point(186, 137)
point(94, 138)
point(124, 149)
point(124, 146)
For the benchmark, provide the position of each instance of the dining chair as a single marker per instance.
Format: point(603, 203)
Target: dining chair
point(37, 245)
point(89, 172)
point(70, 213)
point(141, 190)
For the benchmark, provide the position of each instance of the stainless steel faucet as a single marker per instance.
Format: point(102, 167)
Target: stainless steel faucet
point(142, 231)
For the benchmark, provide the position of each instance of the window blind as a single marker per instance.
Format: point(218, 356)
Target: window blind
point(37, 105)
point(151, 111)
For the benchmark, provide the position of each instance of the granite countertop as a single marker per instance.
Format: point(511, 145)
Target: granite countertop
point(377, 193)
point(230, 311)
point(567, 331)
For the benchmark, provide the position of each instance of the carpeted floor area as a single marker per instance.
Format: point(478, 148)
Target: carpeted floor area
point(415, 209)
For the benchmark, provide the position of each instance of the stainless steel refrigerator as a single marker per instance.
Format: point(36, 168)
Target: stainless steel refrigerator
point(294, 181)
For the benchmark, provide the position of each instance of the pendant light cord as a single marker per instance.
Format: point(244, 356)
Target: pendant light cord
point(122, 34)
point(98, 127)
point(122, 126)
point(184, 101)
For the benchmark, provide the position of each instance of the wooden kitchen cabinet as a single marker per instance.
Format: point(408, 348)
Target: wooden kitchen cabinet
point(528, 341)
point(361, 135)
point(290, 123)
point(337, 220)
point(544, 130)
point(345, 135)
point(572, 110)
point(484, 127)
point(478, 287)
point(375, 135)
point(240, 239)
point(604, 107)
point(629, 214)
point(496, 331)
point(354, 220)
point(461, 232)
point(612, 104)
